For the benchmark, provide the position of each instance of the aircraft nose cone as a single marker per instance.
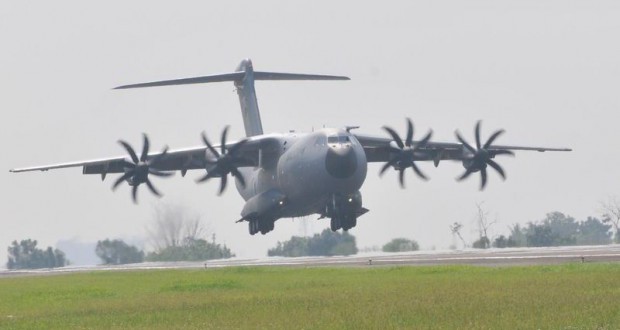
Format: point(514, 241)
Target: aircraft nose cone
point(341, 162)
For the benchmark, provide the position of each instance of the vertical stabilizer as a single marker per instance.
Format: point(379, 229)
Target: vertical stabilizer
point(247, 99)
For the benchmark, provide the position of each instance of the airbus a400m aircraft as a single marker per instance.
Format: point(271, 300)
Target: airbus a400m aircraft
point(285, 175)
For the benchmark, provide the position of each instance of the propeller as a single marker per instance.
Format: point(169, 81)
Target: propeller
point(138, 169)
point(404, 154)
point(482, 155)
point(226, 161)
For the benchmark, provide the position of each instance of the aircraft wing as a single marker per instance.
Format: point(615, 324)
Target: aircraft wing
point(378, 149)
point(174, 160)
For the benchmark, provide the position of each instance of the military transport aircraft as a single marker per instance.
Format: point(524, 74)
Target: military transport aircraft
point(284, 175)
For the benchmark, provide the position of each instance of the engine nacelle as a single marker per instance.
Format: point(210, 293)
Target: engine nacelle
point(472, 165)
point(265, 205)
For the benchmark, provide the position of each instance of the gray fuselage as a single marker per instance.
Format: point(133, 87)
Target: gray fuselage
point(310, 169)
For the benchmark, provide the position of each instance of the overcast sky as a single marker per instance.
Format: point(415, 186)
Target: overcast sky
point(546, 71)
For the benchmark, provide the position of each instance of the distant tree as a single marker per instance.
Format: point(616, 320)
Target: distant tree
point(26, 255)
point(517, 236)
point(172, 224)
point(611, 215)
point(191, 249)
point(295, 247)
point(327, 243)
point(456, 228)
point(594, 232)
point(117, 252)
point(556, 229)
point(482, 243)
point(401, 245)
point(501, 242)
point(484, 224)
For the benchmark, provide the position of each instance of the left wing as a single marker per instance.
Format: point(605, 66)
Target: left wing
point(378, 149)
point(402, 153)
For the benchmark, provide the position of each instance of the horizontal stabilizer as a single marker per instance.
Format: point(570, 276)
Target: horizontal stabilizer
point(187, 81)
point(259, 75)
point(236, 77)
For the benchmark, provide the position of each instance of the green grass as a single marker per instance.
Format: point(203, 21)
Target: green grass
point(571, 296)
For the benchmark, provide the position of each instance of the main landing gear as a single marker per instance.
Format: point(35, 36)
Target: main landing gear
point(346, 223)
point(260, 225)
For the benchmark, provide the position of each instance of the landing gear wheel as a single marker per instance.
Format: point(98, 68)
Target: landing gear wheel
point(349, 222)
point(253, 226)
point(336, 223)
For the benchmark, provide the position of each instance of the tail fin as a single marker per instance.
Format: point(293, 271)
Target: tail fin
point(243, 79)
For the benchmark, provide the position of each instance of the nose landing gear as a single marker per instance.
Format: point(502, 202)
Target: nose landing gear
point(343, 210)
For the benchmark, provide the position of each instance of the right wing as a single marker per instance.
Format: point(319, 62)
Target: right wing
point(176, 160)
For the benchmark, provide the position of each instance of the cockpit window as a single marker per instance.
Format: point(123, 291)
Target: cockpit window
point(338, 139)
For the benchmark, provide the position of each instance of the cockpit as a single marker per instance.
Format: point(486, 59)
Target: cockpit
point(338, 139)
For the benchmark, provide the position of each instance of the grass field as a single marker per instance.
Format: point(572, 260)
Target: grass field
point(571, 296)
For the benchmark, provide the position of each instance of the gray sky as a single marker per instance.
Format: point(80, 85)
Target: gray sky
point(546, 71)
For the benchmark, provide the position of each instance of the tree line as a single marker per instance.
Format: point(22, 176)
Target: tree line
point(176, 234)
point(555, 229)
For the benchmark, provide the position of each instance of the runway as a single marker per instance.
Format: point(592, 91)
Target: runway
point(489, 257)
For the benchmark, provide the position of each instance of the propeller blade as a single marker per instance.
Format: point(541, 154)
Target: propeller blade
point(206, 177)
point(128, 164)
point(401, 177)
point(152, 188)
point(464, 143)
point(483, 177)
point(223, 182)
point(122, 178)
point(465, 175)
point(395, 137)
point(477, 131)
point(130, 151)
point(388, 165)
point(498, 168)
point(238, 175)
point(134, 194)
point(209, 146)
point(409, 138)
point(159, 157)
point(223, 141)
point(418, 172)
point(425, 140)
point(493, 137)
point(145, 148)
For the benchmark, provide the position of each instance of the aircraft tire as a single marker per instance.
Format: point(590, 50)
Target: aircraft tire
point(253, 225)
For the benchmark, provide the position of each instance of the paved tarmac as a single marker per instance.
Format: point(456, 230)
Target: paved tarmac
point(490, 257)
